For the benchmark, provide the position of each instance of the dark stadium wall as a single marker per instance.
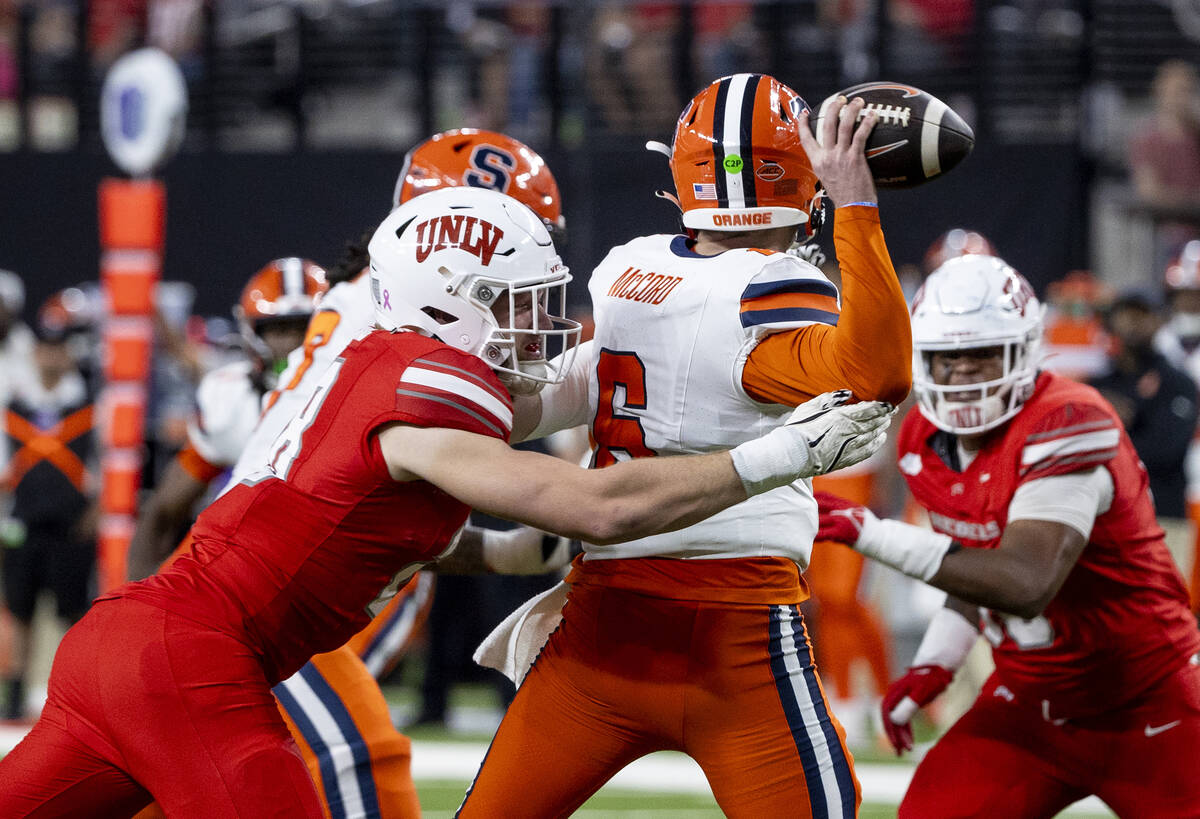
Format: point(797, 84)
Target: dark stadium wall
point(230, 213)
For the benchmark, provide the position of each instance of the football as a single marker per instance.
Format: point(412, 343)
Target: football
point(916, 138)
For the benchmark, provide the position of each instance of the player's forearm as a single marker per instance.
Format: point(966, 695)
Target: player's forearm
point(621, 502)
point(986, 577)
point(873, 339)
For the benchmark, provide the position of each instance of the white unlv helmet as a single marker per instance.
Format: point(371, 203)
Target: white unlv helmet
point(967, 303)
point(443, 262)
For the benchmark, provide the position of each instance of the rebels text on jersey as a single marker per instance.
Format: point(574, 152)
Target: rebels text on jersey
point(289, 560)
point(1120, 623)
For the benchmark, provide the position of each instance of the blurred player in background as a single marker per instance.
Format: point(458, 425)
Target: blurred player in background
point(692, 641)
point(1075, 343)
point(1179, 340)
point(163, 689)
point(1045, 538)
point(47, 540)
point(272, 315)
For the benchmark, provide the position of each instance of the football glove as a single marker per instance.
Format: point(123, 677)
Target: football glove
point(919, 686)
point(823, 434)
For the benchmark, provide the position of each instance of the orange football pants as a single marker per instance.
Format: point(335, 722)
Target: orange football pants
point(846, 628)
point(730, 684)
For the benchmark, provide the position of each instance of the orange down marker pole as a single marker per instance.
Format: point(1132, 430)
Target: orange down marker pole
point(132, 228)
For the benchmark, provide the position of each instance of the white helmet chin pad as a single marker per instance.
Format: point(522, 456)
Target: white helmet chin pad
point(973, 302)
point(467, 266)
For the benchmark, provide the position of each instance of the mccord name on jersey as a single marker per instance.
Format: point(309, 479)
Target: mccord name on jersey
point(645, 286)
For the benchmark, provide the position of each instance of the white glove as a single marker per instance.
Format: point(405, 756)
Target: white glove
point(821, 435)
point(524, 550)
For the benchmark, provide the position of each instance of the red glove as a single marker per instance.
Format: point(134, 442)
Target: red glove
point(920, 685)
point(838, 519)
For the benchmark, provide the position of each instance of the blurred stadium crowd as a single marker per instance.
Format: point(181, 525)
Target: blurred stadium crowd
point(1113, 79)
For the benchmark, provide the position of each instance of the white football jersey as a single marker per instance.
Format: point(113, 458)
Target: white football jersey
point(673, 331)
point(345, 311)
point(227, 406)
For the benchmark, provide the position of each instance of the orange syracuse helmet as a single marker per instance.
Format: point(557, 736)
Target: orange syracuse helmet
point(285, 289)
point(481, 159)
point(737, 161)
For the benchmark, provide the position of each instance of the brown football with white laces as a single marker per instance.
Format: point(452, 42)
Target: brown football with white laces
point(916, 138)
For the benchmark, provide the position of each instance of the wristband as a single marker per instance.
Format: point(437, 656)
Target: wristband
point(947, 641)
point(910, 549)
point(764, 464)
point(863, 204)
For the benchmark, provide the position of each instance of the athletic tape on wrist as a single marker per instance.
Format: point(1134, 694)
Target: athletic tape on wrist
point(947, 641)
point(910, 549)
point(770, 462)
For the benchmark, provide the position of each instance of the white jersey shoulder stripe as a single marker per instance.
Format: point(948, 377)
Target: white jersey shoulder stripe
point(1106, 439)
point(460, 387)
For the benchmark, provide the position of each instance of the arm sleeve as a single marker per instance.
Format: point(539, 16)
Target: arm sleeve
point(1075, 499)
point(869, 350)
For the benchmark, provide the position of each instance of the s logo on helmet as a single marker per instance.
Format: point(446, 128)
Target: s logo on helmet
point(491, 167)
point(469, 233)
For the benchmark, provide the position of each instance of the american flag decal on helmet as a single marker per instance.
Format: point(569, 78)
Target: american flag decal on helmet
point(704, 190)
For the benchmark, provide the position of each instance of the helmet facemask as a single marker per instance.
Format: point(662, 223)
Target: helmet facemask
point(971, 409)
point(976, 303)
point(529, 328)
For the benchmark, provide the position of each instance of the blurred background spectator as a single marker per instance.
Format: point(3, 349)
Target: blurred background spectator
point(1164, 158)
point(1157, 404)
point(47, 538)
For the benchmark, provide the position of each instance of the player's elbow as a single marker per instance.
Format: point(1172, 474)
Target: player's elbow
point(612, 522)
point(892, 387)
point(1026, 600)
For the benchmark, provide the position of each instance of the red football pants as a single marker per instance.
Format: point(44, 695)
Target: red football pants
point(144, 704)
point(731, 685)
point(1003, 760)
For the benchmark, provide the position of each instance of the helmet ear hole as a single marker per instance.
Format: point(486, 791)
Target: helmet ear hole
point(440, 316)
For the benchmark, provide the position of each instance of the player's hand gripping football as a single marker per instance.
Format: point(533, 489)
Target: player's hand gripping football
point(838, 153)
point(920, 686)
point(823, 434)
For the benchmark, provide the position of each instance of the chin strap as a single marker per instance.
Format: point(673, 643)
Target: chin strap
point(654, 146)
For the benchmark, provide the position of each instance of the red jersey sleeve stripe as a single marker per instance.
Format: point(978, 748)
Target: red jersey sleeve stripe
point(468, 375)
point(449, 402)
point(457, 390)
point(1069, 452)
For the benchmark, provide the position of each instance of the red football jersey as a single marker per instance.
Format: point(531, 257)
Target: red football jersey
point(290, 559)
point(1120, 622)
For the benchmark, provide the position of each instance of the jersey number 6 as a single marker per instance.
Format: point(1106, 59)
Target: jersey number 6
point(622, 379)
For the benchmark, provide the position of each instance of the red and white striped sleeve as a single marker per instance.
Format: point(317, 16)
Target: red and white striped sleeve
point(448, 389)
point(1071, 438)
